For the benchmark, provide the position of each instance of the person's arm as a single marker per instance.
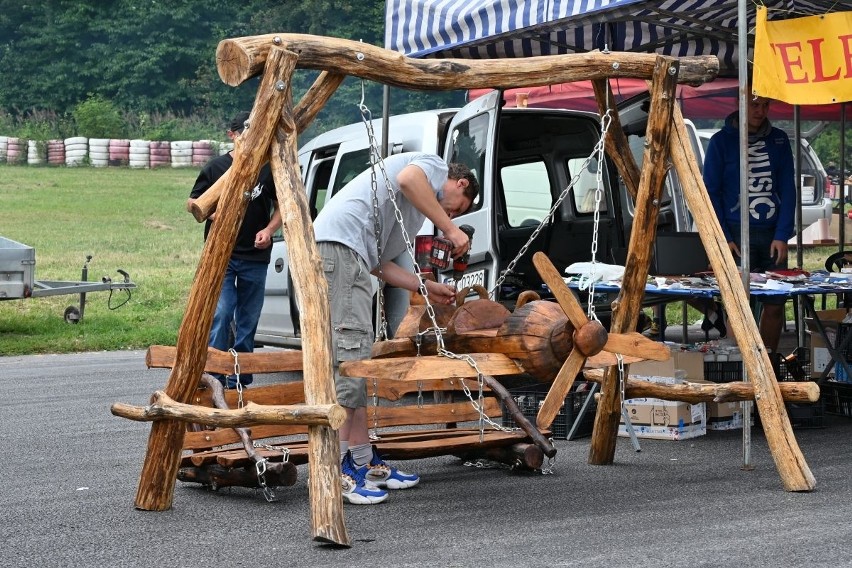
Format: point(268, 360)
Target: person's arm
point(263, 238)
point(714, 181)
point(785, 177)
point(398, 276)
point(415, 187)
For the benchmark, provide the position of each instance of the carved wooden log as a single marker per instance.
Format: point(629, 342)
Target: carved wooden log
point(518, 416)
point(278, 474)
point(239, 59)
point(527, 456)
point(312, 102)
point(163, 356)
point(327, 524)
point(162, 407)
point(626, 308)
point(791, 464)
point(702, 392)
point(159, 471)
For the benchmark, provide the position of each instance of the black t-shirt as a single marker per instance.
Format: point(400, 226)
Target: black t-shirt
point(258, 212)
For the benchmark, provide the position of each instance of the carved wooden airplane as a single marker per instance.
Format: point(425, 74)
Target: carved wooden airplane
point(549, 341)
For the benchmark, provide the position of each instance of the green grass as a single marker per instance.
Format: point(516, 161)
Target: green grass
point(129, 219)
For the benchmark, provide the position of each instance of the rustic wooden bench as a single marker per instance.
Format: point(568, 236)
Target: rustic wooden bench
point(410, 424)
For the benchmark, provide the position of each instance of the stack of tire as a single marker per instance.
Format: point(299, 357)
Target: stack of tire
point(225, 148)
point(56, 152)
point(202, 152)
point(36, 152)
point(181, 153)
point(140, 154)
point(16, 150)
point(99, 152)
point(119, 152)
point(160, 153)
point(4, 146)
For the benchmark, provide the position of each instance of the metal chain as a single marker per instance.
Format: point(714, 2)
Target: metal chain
point(260, 468)
point(236, 357)
point(374, 435)
point(367, 117)
point(376, 160)
point(598, 151)
point(622, 378)
point(606, 120)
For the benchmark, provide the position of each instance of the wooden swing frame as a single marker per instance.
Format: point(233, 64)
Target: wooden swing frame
point(272, 136)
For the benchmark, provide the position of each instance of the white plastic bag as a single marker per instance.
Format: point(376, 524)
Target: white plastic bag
point(595, 272)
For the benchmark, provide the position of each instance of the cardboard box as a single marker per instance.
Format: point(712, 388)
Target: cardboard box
point(724, 416)
point(691, 363)
point(820, 357)
point(664, 419)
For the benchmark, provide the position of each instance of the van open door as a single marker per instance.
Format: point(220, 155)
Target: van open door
point(471, 141)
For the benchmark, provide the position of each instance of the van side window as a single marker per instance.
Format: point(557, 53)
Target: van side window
point(585, 188)
point(470, 141)
point(526, 193)
point(350, 165)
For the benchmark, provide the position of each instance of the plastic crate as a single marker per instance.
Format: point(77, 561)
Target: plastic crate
point(807, 415)
point(837, 398)
point(529, 399)
point(794, 367)
point(723, 371)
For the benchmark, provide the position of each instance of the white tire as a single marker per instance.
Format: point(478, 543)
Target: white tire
point(76, 140)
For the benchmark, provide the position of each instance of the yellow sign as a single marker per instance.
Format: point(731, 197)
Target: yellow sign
point(804, 61)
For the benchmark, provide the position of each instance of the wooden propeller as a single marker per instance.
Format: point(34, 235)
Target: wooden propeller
point(590, 338)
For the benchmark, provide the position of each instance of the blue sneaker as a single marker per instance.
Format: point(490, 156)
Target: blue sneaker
point(389, 477)
point(356, 489)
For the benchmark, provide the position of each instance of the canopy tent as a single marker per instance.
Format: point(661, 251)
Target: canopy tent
point(525, 28)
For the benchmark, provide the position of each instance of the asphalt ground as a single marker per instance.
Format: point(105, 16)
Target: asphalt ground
point(69, 473)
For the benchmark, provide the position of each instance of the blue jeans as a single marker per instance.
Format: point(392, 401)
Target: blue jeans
point(240, 301)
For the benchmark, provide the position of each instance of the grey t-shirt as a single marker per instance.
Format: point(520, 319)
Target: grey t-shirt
point(348, 218)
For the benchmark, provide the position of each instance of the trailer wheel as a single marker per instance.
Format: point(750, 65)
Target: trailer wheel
point(72, 315)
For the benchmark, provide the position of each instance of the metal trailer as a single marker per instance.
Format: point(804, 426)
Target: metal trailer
point(17, 279)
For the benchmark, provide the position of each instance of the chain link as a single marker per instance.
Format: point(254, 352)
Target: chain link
point(606, 120)
point(376, 160)
point(239, 384)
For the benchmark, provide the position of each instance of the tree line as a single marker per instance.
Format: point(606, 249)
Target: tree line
point(152, 62)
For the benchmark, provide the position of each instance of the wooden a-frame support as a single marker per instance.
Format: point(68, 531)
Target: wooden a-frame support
point(272, 135)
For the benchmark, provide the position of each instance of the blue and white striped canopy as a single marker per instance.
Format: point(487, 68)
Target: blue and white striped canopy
point(523, 28)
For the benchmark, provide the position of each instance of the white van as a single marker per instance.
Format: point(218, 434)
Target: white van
point(523, 159)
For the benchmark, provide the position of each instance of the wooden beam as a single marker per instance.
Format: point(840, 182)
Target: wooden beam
point(791, 464)
point(159, 470)
point(163, 356)
point(804, 392)
point(617, 147)
point(239, 59)
point(327, 524)
point(162, 407)
point(626, 307)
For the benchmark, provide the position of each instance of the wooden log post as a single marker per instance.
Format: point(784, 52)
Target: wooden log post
point(791, 464)
point(312, 102)
point(162, 407)
point(162, 458)
point(801, 392)
point(616, 144)
point(239, 59)
point(629, 302)
point(327, 522)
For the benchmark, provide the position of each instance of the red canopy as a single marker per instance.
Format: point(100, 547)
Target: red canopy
point(714, 100)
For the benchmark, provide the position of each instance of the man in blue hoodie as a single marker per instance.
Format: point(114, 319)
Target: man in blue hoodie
point(772, 199)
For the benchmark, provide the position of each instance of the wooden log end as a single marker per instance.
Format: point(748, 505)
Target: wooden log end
point(232, 62)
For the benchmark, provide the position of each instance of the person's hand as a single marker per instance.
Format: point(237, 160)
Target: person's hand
point(263, 239)
point(735, 250)
point(440, 293)
point(460, 240)
point(778, 251)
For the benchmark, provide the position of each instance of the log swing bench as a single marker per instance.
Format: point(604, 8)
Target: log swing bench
point(551, 341)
